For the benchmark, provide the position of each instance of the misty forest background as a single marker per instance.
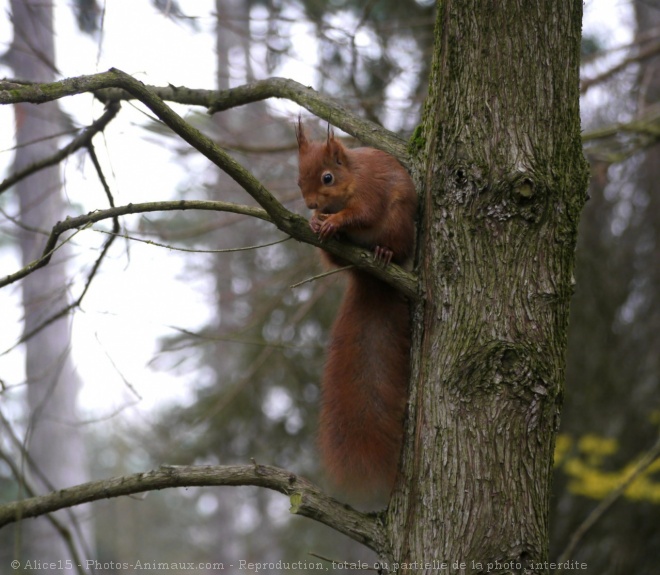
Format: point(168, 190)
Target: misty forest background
point(226, 354)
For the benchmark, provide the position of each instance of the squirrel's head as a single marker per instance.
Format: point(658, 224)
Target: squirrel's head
point(324, 172)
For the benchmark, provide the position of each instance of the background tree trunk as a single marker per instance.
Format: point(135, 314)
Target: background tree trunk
point(54, 447)
point(504, 181)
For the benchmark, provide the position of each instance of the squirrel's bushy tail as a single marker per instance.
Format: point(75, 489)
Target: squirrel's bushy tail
point(365, 387)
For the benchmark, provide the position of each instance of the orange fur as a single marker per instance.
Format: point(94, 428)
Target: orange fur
point(366, 196)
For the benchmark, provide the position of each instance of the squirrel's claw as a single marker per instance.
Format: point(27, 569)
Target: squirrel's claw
point(315, 225)
point(327, 230)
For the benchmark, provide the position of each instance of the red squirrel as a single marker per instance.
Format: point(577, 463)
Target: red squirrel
point(367, 197)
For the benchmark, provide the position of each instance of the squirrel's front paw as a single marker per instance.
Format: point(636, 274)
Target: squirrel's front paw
point(382, 255)
point(328, 229)
point(315, 224)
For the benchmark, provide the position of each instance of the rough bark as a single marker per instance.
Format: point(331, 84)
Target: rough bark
point(500, 162)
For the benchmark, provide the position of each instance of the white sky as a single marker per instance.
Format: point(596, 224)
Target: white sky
point(130, 306)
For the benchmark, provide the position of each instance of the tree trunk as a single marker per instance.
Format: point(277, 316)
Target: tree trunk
point(499, 159)
point(53, 442)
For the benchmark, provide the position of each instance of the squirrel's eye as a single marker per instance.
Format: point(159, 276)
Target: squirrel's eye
point(327, 178)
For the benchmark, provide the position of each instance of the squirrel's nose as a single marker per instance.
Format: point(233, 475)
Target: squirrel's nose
point(312, 205)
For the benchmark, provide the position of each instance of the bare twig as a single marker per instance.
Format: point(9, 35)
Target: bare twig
point(306, 499)
point(319, 276)
point(196, 250)
point(82, 140)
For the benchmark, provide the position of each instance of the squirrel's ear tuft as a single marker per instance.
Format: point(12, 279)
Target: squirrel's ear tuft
point(300, 134)
point(336, 151)
point(331, 134)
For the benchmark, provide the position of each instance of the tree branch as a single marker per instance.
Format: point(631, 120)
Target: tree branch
point(643, 54)
point(275, 212)
point(306, 499)
point(283, 219)
point(298, 229)
point(622, 140)
point(318, 104)
point(86, 220)
point(107, 86)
